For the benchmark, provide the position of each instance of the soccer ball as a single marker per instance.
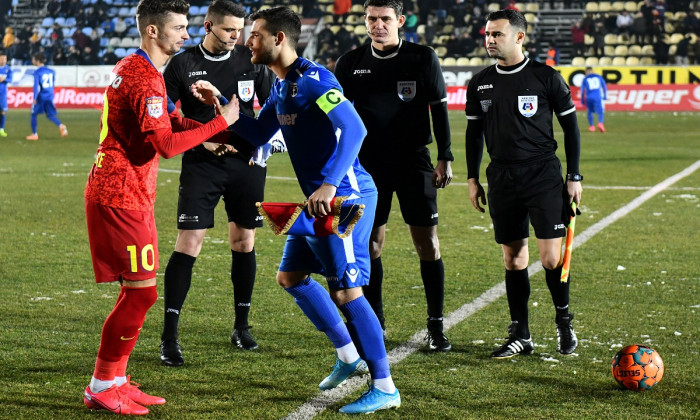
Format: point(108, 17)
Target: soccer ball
point(637, 367)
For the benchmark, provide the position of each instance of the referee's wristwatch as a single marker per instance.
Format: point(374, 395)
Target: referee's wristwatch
point(574, 177)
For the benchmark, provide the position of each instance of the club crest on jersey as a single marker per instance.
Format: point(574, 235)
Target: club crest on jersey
point(485, 105)
point(154, 106)
point(293, 90)
point(527, 105)
point(406, 90)
point(245, 90)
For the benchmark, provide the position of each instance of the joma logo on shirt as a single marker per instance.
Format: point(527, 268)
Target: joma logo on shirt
point(484, 87)
point(362, 71)
point(197, 73)
point(287, 119)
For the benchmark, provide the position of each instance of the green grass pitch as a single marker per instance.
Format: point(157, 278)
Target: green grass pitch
point(635, 280)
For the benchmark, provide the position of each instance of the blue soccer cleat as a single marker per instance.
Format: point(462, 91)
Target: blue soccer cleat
point(371, 401)
point(341, 372)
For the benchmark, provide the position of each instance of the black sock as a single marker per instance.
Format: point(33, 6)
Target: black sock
point(558, 290)
point(176, 284)
point(433, 275)
point(243, 268)
point(373, 291)
point(518, 293)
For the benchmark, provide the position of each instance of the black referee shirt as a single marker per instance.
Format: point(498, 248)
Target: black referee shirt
point(232, 73)
point(516, 104)
point(392, 91)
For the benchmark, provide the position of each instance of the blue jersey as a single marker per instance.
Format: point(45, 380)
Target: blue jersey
point(7, 72)
point(322, 130)
point(593, 89)
point(44, 79)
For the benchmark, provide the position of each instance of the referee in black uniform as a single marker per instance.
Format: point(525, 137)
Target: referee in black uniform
point(512, 103)
point(393, 84)
point(206, 177)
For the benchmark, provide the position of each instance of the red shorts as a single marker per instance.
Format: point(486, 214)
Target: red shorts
point(123, 243)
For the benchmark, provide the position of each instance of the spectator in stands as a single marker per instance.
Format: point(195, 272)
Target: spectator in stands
point(52, 8)
point(430, 31)
point(341, 8)
point(691, 23)
point(599, 39)
point(59, 57)
point(109, 57)
point(424, 7)
point(313, 12)
point(661, 51)
point(107, 25)
point(467, 44)
point(454, 47)
point(81, 40)
point(19, 52)
point(696, 52)
point(639, 29)
point(69, 8)
point(578, 38)
point(440, 11)
point(533, 47)
point(410, 26)
point(9, 39)
point(73, 56)
point(120, 26)
point(624, 22)
point(552, 55)
point(89, 56)
point(459, 11)
point(682, 51)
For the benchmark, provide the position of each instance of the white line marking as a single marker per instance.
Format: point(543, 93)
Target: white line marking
point(325, 399)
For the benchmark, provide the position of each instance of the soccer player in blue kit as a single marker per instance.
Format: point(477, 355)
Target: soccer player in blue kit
point(5, 79)
point(593, 92)
point(44, 80)
point(307, 103)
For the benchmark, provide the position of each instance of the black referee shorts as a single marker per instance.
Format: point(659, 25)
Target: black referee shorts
point(204, 180)
point(412, 180)
point(518, 195)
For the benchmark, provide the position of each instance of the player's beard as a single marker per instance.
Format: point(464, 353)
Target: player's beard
point(262, 57)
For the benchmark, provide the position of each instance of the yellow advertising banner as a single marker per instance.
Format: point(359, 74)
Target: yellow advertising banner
point(635, 75)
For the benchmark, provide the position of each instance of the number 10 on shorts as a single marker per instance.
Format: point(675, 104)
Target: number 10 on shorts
point(147, 256)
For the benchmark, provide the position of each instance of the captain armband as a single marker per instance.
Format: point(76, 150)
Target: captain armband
point(329, 100)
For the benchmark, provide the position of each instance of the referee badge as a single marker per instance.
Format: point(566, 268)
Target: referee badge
point(527, 105)
point(154, 106)
point(485, 105)
point(406, 90)
point(245, 90)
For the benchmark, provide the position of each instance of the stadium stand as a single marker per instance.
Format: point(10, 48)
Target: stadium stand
point(672, 21)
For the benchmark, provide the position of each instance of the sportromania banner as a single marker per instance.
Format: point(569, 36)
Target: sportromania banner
point(651, 88)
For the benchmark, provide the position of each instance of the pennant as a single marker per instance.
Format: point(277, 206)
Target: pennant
point(294, 219)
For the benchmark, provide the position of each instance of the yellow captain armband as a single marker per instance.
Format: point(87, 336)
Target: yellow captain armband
point(330, 100)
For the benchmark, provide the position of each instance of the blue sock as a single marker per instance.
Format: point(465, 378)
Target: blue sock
point(590, 118)
point(317, 305)
point(367, 334)
point(2, 121)
point(54, 119)
point(32, 120)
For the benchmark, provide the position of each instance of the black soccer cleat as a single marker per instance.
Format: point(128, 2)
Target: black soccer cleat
point(242, 338)
point(170, 353)
point(513, 346)
point(437, 341)
point(566, 337)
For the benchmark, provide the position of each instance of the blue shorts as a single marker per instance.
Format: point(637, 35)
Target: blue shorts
point(344, 262)
point(3, 103)
point(596, 106)
point(44, 107)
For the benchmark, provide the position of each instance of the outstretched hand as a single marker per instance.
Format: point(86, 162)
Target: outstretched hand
point(476, 194)
point(205, 92)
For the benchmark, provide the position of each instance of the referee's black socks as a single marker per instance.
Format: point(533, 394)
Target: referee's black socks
point(243, 266)
point(178, 277)
point(518, 293)
point(433, 275)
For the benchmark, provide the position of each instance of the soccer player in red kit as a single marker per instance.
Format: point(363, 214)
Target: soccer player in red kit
point(136, 129)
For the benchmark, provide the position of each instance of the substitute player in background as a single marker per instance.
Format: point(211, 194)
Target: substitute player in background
point(206, 177)
point(511, 104)
point(307, 103)
point(120, 193)
point(44, 81)
point(394, 84)
point(5, 79)
point(593, 92)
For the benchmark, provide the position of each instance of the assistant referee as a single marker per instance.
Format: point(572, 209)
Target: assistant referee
point(512, 103)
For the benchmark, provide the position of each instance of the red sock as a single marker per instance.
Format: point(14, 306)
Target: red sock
point(121, 366)
point(122, 327)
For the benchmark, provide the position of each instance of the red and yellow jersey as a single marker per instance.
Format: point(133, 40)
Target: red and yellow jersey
point(126, 164)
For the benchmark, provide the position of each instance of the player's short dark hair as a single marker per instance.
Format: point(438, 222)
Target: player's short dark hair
point(516, 19)
point(40, 57)
point(394, 4)
point(3, 52)
point(219, 9)
point(155, 12)
point(281, 19)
